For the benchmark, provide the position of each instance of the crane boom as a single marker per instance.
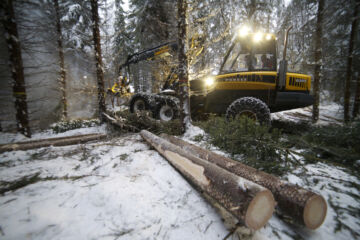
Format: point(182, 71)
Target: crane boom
point(150, 53)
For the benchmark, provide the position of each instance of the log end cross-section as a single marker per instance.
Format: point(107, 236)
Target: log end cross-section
point(259, 212)
point(315, 212)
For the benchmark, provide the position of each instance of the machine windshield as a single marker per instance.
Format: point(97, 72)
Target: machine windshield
point(245, 55)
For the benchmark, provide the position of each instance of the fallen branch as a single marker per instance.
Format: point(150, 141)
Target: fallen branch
point(121, 123)
point(249, 202)
point(62, 141)
point(306, 207)
point(6, 186)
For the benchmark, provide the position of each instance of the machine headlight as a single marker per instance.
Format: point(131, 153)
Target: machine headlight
point(209, 81)
point(268, 37)
point(258, 37)
point(244, 31)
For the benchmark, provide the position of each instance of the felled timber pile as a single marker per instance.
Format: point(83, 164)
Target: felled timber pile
point(60, 141)
point(303, 206)
point(249, 202)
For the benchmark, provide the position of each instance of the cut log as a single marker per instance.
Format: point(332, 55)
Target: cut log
point(249, 202)
point(304, 206)
point(61, 141)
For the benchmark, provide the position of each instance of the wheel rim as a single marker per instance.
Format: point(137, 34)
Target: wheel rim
point(166, 113)
point(249, 114)
point(139, 105)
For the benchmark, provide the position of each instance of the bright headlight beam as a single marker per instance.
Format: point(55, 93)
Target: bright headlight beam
point(258, 37)
point(244, 31)
point(268, 36)
point(209, 81)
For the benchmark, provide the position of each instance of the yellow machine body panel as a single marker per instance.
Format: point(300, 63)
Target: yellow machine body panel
point(298, 82)
point(262, 80)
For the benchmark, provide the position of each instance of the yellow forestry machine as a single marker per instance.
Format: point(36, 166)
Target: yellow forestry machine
point(121, 88)
point(248, 83)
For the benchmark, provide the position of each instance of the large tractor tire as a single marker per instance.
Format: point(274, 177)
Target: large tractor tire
point(250, 107)
point(138, 104)
point(167, 110)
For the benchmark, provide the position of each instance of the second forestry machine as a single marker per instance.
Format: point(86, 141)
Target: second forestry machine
point(248, 83)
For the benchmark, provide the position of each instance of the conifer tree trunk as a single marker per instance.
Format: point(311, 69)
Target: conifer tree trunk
point(357, 99)
point(98, 59)
point(16, 66)
point(62, 79)
point(349, 64)
point(317, 58)
point(183, 65)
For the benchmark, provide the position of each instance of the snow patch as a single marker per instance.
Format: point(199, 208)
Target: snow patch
point(193, 131)
point(127, 192)
point(11, 137)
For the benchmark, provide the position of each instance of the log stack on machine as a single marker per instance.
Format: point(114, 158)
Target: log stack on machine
point(246, 193)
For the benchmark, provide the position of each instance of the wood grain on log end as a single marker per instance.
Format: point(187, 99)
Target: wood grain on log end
point(315, 211)
point(260, 210)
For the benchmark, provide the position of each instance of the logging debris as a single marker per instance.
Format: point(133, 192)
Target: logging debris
point(125, 121)
point(60, 141)
point(6, 186)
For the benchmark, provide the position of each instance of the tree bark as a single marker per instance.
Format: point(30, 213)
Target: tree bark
point(61, 141)
point(183, 65)
point(62, 79)
point(349, 64)
point(250, 203)
point(317, 58)
point(98, 59)
point(304, 206)
point(16, 66)
point(356, 99)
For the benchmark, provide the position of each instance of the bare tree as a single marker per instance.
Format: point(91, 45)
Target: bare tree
point(357, 91)
point(98, 59)
point(16, 66)
point(349, 63)
point(356, 99)
point(317, 58)
point(62, 79)
point(183, 65)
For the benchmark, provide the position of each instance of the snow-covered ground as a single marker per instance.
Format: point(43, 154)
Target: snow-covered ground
point(338, 185)
point(122, 189)
point(126, 192)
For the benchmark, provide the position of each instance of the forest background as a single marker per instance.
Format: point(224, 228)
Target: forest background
point(57, 45)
